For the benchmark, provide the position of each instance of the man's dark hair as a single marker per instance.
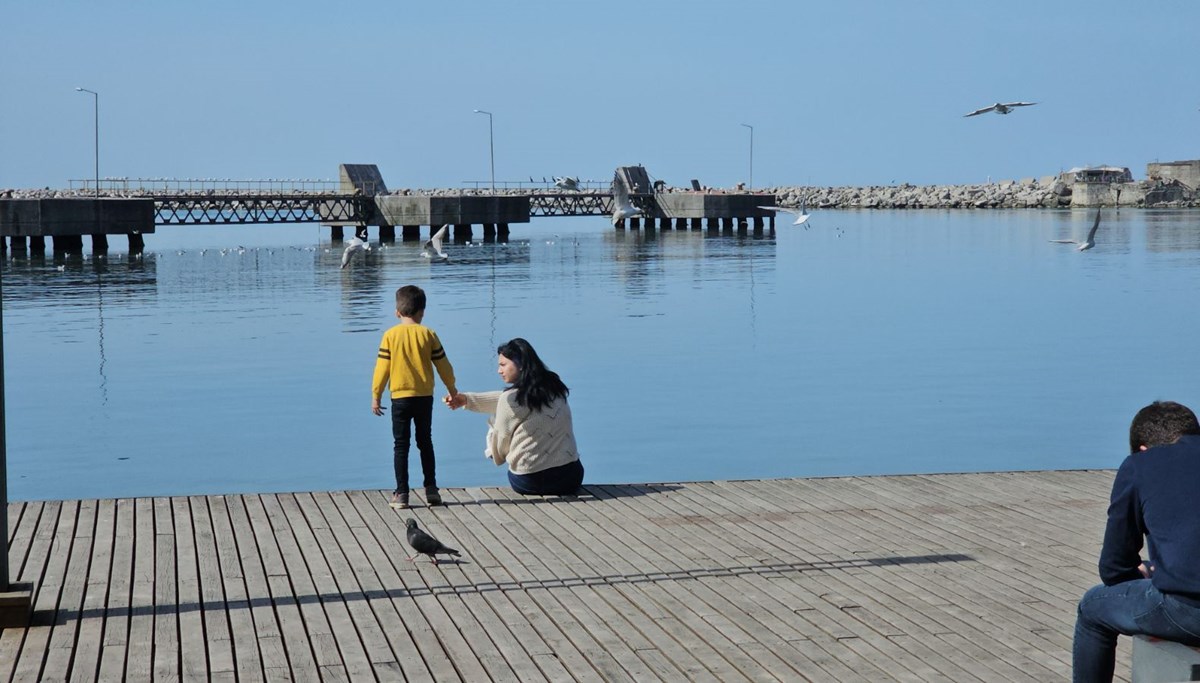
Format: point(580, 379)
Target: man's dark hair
point(410, 300)
point(1161, 423)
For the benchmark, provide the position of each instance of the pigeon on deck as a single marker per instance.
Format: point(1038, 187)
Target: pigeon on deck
point(425, 544)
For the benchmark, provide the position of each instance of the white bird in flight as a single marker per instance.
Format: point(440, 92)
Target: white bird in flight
point(1091, 236)
point(433, 247)
point(566, 183)
point(622, 206)
point(1000, 108)
point(801, 213)
point(356, 245)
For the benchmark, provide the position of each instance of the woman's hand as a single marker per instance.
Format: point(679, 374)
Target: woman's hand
point(455, 401)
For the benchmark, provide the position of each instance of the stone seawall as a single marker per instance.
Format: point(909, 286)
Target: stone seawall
point(1025, 194)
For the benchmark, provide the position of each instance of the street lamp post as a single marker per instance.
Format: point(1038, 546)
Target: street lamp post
point(5, 585)
point(96, 130)
point(491, 146)
point(751, 154)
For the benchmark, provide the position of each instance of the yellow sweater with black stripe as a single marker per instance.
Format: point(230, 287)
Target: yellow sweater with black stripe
point(407, 356)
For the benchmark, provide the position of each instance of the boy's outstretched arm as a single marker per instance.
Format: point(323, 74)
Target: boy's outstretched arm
point(381, 376)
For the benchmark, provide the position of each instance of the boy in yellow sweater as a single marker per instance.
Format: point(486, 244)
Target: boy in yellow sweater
point(407, 356)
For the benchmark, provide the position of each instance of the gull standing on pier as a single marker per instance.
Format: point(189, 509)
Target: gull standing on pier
point(1000, 108)
point(801, 214)
point(1091, 236)
point(356, 245)
point(433, 247)
point(622, 206)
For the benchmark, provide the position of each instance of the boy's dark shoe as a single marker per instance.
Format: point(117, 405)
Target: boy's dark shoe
point(399, 501)
point(432, 497)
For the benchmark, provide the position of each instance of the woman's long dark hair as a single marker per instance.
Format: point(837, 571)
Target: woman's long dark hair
point(537, 386)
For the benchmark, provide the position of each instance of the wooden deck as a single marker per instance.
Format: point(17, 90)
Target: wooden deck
point(967, 577)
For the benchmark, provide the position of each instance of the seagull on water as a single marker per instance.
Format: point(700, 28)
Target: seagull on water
point(622, 206)
point(1091, 237)
point(801, 214)
point(356, 245)
point(1000, 108)
point(433, 247)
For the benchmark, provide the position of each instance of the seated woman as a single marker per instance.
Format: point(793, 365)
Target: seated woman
point(530, 424)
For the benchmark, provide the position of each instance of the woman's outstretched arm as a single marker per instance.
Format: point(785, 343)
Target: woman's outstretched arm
point(479, 402)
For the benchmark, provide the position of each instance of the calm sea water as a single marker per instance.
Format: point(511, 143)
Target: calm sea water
point(870, 343)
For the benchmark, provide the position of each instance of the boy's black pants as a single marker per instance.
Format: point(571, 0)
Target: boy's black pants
point(413, 413)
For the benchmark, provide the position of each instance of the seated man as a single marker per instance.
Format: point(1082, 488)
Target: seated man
point(1154, 495)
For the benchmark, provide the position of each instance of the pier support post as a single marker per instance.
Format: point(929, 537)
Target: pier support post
point(502, 233)
point(100, 244)
point(462, 232)
point(411, 233)
point(635, 223)
point(18, 243)
point(489, 232)
point(772, 219)
point(741, 223)
point(37, 244)
point(620, 224)
point(67, 244)
point(3, 244)
point(387, 233)
point(335, 233)
point(137, 243)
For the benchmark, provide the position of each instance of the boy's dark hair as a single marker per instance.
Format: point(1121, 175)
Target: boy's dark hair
point(1161, 423)
point(537, 386)
point(410, 300)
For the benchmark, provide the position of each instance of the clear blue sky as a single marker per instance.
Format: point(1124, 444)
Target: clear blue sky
point(840, 93)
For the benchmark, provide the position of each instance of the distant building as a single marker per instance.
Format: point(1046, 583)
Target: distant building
point(1186, 172)
point(1097, 174)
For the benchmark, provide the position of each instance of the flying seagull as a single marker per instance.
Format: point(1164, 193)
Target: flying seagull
point(1005, 108)
point(1091, 237)
point(356, 245)
point(801, 214)
point(425, 544)
point(622, 207)
point(433, 247)
point(566, 183)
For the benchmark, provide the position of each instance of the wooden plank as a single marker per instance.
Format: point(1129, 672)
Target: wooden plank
point(166, 661)
point(214, 611)
point(423, 589)
point(70, 604)
point(119, 607)
point(368, 561)
point(90, 640)
point(140, 652)
point(47, 591)
point(656, 648)
point(287, 583)
point(262, 611)
point(388, 563)
point(193, 659)
point(24, 519)
point(239, 609)
point(345, 556)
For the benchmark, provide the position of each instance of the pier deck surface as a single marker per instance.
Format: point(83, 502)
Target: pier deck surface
point(961, 577)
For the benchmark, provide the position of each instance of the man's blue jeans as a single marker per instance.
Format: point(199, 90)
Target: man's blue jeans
point(1130, 608)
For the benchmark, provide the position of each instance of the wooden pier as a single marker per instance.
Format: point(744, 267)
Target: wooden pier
point(963, 577)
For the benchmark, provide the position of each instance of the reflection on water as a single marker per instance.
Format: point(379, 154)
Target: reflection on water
point(232, 359)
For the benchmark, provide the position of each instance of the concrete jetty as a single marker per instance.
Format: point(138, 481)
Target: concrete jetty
point(956, 577)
